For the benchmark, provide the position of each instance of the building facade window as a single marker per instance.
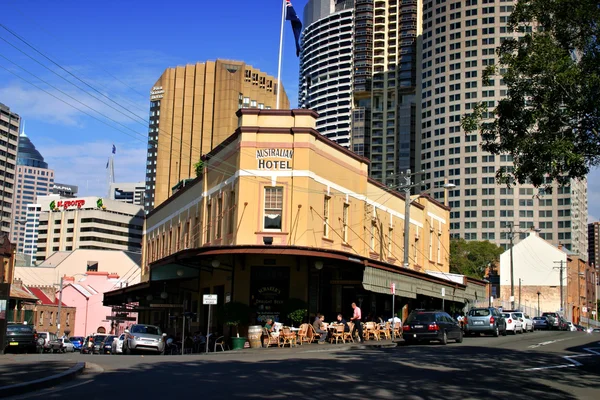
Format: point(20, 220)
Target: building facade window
point(219, 217)
point(273, 208)
point(345, 221)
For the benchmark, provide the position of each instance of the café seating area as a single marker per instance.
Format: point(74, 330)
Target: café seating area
point(306, 334)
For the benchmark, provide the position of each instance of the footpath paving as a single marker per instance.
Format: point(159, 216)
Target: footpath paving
point(23, 373)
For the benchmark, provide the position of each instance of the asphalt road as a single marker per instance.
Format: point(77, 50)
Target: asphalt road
point(548, 365)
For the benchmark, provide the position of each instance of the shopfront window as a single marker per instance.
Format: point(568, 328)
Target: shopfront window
point(273, 208)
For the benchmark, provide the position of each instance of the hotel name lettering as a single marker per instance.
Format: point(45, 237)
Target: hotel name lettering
point(265, 156)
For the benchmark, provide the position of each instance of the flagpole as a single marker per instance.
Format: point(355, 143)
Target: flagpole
point(280, 53)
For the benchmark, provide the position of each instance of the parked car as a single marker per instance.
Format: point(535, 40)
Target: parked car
point(20, 337)
point(61, 345)
point(554, 319)
point(77, 342)
point(431, 325)
point(525, 320)
point(563, 324)
point(595, 330)
point(572, 327)
point(513, 323)
point(45, 338)
point(540, 323)
point(117, 345)
point(579, 328)
point(106, 345)
point(141, 337)
point(485, 320)
point(96, 340)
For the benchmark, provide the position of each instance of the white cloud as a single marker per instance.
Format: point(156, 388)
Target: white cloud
point(84, 164)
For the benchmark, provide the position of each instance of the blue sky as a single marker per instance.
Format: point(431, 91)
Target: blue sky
point(120, 49)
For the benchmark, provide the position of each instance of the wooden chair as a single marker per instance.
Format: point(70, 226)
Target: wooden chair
point(386, 331)
point(312, 334)
point(348, 335)
point(269, 338)
point(398, 329)
point(338, 334)
point(371, 329)
point(303, 334)
point(286, 336)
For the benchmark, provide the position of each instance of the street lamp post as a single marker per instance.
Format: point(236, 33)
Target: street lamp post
point(538, 293)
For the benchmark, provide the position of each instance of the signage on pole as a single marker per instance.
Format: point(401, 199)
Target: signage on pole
point(512, 298)
point(443, 292)
point(393, 288)
point(209, 299)
point(584, 309)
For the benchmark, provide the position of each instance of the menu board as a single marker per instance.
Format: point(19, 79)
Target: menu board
point(269, 288)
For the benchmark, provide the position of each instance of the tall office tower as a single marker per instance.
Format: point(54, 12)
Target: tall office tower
point(326, 66)
point(459, 42)
point(132, 193)
point(192, 110)
point(10, 123)
point(383, 78)
point(594, 243)
point(33, 179)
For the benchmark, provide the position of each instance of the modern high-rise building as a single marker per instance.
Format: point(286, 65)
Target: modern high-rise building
point(85, 223)
point(192, 110)
point(65, 190)
point(382, 53)
point(594, 243)
point(459, 41)
point(132, 193)
point(10, 123)
point(33, 179)
point(326, 66)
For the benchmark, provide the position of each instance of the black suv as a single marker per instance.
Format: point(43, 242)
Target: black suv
point(21, 337)
point(424, 325)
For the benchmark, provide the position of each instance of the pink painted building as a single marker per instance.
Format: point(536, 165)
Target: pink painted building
point(86, 295)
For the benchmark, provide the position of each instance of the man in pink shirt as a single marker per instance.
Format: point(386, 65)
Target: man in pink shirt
point(356, 319)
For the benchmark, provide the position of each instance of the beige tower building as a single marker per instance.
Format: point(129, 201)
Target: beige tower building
point(192, 110)
point(9, 131)
point(459, 43)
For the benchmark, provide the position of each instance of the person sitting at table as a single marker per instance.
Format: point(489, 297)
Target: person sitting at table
point(319, 328)
point(269, 325)
point(341, 320)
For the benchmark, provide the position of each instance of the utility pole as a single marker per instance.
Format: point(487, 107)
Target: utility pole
point(561, 268)
point(60, 305)
point(405, 187)
point(512, 269)
point(519, 294)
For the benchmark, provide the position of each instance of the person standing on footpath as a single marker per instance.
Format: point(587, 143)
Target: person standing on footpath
point(356, 318)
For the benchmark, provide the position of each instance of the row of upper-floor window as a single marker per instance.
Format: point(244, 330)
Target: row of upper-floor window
point(492, 235)
point(509, 213)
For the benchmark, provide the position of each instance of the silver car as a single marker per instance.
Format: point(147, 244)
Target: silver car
point(485, 320)
point(144, 338)
point(117, 345)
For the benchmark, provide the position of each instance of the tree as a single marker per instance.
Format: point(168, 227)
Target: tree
point(548, 122)
point(198, 167)
point(471, 258)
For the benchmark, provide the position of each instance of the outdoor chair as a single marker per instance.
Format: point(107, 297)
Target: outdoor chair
point(220, 342)
point(270, 338)
point(386, 331)
point(398, 330)
point(312, 334)
point(338, 334)
point(348, 335)
point(286, 336)
point(303, 335)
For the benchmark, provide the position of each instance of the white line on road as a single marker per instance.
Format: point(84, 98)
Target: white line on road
point(535, 346)
point(593, 350)
point(573, 363)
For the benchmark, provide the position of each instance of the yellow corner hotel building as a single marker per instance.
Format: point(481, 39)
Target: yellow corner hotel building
point(281, 212)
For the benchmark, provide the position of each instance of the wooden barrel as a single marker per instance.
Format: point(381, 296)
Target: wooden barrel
point(254, 335)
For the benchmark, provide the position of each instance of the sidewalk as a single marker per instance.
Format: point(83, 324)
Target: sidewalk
point(20, 374)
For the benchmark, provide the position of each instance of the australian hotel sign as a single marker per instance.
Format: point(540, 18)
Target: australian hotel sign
point(275, 159)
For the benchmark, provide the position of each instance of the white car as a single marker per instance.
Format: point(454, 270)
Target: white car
point(144, 338)
point(572, 327)
point(513, 323)
point(117, 345)
point(526, 321)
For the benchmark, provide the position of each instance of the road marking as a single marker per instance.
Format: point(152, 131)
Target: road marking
point(593, 350)
point(535, 346)
point(570, 359)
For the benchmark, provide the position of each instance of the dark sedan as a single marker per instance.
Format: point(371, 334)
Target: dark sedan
point(431, 325)
point(20, 337)
point(106, 345)
point(540, 323)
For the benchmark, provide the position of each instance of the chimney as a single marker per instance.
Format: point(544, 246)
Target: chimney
point(560, 246)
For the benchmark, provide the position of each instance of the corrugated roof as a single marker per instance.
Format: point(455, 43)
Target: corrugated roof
point(46, 301)
point(17, 292)
point(82, 290)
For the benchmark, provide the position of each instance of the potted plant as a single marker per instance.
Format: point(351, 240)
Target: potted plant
point(295, 310)
point(235, 314)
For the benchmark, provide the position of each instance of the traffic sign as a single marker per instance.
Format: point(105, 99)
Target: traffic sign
point(209, 299)
point(393, 288)
point(584, 309)
point(443, 292)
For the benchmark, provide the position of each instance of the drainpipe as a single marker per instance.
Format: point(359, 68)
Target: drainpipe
point(87, 300)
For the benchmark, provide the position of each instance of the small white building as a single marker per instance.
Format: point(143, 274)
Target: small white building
point(536, 275)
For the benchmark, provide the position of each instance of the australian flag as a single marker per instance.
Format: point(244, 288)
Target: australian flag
point(114, 150)
point(290, 15)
